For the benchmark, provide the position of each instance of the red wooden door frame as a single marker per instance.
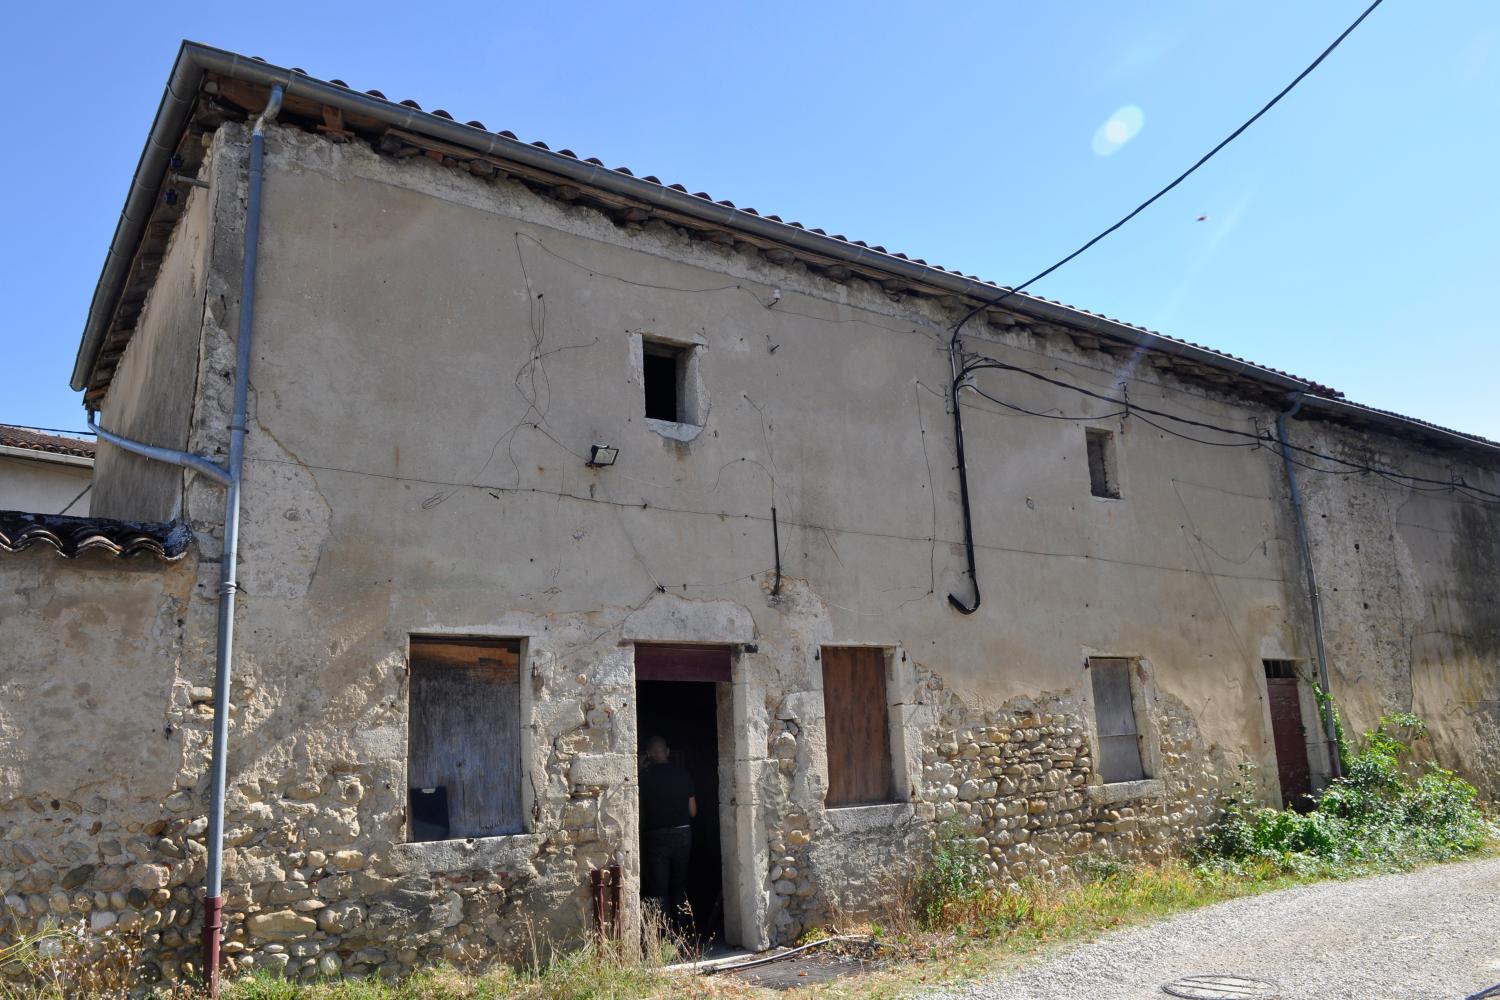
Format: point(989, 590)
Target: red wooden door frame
point(674, 662)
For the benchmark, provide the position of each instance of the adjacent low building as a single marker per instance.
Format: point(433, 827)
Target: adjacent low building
point(542, 458)
point(44, 472)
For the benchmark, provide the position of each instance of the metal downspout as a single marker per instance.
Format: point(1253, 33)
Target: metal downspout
point(213, 904)
point(186, 459)
point(1330, 732)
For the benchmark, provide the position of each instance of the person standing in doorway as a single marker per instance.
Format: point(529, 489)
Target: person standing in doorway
point(668, 805)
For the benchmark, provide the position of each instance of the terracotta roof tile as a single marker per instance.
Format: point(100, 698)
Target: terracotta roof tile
point(54, 444)
point(1019, 298)
point(71, 537)
point(506, 133)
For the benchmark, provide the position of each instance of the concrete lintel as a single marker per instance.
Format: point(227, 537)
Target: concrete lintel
point(494, 853)
point(669, 618)
point(860, 819)
point(1124, 791)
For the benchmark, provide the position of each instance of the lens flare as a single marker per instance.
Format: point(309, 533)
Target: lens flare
point(1121, 127)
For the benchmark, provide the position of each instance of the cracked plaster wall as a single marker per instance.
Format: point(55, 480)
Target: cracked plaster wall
point(1411, 595)
point(435, 355)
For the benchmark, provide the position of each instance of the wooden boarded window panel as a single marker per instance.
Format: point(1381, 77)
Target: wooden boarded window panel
point(858, 724)
point(1114, 713)
point(464, 739)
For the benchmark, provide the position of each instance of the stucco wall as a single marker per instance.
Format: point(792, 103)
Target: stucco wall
point(151, 395)
point(436, 354)
point(416, 466)
point(42, 486)
point(96, 765)
point(1407, 575)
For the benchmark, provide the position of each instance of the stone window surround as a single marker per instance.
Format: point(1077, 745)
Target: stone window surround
point(692, 394)
point(438, 858)
point(434, 857)
point(1143, 698)
point(1117, 464)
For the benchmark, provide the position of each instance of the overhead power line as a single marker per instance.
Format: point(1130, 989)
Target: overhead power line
point(1175, 181)
point(49, 430)
point(979, 362)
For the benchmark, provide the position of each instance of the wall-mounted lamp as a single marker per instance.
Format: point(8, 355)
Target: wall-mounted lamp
point(602, 456)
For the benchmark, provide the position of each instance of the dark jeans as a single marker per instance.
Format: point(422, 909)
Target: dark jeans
point(664, 866)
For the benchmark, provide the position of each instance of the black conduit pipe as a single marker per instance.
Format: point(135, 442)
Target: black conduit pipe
point(963, 481)
point(1330, 731)
point(776, 541)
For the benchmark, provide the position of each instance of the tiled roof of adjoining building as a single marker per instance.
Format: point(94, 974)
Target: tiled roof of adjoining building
point(209, 86)
point(71, 537)
point(26, 438)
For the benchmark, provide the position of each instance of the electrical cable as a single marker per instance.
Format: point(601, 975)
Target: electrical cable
point(49, 430)
point(1177, 180)
point(982, 363)
point(1034, 413)
point(495, 491)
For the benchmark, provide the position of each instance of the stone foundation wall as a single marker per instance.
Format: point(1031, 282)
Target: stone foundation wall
point(97, 824)
point(1018, 779)
point(320, 881)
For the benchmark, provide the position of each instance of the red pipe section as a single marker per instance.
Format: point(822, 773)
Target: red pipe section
point(605, 885)
point(213, 922)
point(597, 878)
point(616, 881)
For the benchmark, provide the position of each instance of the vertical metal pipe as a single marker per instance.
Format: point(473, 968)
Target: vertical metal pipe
point(616, 887)
point(1330, 731)
point(213, 905)
point(596, 884)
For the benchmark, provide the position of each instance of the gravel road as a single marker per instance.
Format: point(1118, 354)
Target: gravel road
point(1433, 933)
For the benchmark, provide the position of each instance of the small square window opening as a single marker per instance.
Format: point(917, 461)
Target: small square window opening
point(664, 368)
point(1104, 479)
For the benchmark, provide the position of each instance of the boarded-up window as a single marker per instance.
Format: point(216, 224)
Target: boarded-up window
point(464, 739)
point(1104, 479)
point(858, 724)
point(1114, 713)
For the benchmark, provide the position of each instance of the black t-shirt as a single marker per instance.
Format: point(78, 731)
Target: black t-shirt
point(665, 790)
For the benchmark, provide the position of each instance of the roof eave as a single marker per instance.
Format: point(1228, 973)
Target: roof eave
point(194, 60)
point(38, 455)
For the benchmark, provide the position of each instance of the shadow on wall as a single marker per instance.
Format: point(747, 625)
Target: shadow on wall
point(1476, 554)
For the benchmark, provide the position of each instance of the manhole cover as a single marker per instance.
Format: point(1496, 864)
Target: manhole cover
point(1220, 987)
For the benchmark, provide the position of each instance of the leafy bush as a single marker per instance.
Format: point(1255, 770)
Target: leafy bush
point(955, 873)
point(1386, 813)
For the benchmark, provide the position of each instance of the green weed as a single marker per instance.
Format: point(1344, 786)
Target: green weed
point(1387, 813)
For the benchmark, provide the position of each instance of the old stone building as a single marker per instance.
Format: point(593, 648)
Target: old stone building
point(542, 458)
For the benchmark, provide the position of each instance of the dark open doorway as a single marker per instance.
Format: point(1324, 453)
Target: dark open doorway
point(685, 714)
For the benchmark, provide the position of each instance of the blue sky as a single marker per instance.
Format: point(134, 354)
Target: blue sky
point(1351, 234)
